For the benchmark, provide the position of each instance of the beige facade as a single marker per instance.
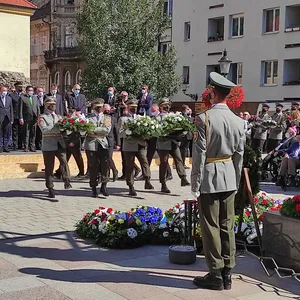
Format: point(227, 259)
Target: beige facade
point(15, 40)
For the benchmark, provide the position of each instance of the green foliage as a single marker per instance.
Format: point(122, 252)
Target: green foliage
point(291, 207)
point(119, 40)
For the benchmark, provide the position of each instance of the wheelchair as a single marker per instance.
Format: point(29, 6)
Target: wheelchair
point(270, 165)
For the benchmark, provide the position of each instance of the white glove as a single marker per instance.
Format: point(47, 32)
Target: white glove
point(195, 194)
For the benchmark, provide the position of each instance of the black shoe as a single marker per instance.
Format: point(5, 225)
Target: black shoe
point(292, 182)
point(51, 193)
point(274, 179)
point(57, 175)
point(15, 148)
point(137, 172)
point(122, 177)
point(164, 189)
point(80, 176)
point(115, 175)
point(148, 185)
point(6, 150)
point(140, 178)
point(186, 167)
point(184, 182)
point(132, 191)
point(211, 281)
point(170, 177)
point(226, 275)
point(103, 190)
point(94, 190)
point(68, 185)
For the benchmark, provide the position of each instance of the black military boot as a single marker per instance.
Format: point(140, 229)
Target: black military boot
point(103, 189)
point(148, 185)
point(164, 188)
point(212, 281)
point(95, 193)
point(184, 181)
point(51, 193)
point(67, 185)
point(226, 275)
point(132, 191)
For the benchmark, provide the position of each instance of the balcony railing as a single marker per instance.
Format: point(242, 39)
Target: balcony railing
point(61, 53)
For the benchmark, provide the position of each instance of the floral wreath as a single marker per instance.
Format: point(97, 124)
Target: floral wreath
point(234, 99)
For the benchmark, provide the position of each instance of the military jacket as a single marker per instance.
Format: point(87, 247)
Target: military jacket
point(99, 136)
point(277, 132)
point(261, 133)
point(52, 136)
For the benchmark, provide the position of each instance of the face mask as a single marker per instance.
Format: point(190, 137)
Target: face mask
point(97, 109)
point(77, 92)
point(264, 110)
point(110, 93)
point(54, 92)
point(293, 108)
point(143, 91)
point(132, 110)
point(4, 94)
point(52, 107)
point(106, 112)
point(41, 94)
point(30, 93)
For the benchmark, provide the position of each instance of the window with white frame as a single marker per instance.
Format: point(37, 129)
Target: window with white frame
point(33, 47)
point(187, 31)
point(270, 72)
point(186, 74)
point(168, 7)
point(237, 25)
point(163, 47)
point(271, 20)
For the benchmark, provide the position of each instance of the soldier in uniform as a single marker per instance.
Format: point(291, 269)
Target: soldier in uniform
point(168, 146)
point(216, 171)
point(276, 134)
point(134, 147)
point(53, 145)
point(96, 147)
point(260, 134)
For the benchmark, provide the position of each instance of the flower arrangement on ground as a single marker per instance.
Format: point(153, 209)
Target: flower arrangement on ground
point(142, 128)
point(176, 124)
point(76, 123)
point(291, 207)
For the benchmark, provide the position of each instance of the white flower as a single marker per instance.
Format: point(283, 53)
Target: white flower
point(102, 227)
point(128, 132)
point(145, 124)
point(153, 127)
point(176, 230)
point(138, 123)
point(134, 121)
point(94, 226)
point(132, 233)
point(165, 234)
point(152, 122)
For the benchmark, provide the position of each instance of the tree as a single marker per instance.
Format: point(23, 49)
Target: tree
point(119, 40)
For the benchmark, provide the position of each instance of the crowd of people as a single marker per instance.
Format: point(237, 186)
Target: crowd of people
point(281, 142)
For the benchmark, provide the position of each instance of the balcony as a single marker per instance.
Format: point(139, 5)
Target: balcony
point(66, 11)
point(69, 53)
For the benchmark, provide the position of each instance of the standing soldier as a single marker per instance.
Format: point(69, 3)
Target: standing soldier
point(260, 134)
point(276, 134)
point(134, 147)
point(168, 146)
point(96, 147)
point(216, 172)
point(53, 145)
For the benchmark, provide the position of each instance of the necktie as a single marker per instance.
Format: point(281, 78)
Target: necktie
point(97, 120)
point(30, 100)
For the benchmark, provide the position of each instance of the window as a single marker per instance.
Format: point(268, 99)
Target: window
point(237, 25)
point(186, 75)
point(272, 17)
point(187, 31)
point(78, 76)
point(67, 79)
point(168, 7)
point(163, 47)
point(56, 78)
point(270, 72)
point(43, 43)
point(236, 73)
point(69, 36)
point(216, 29)
point(33, 47)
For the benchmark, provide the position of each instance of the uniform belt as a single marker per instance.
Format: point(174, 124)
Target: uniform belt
point(94, 136)
point(51, 134)
point(210, 160)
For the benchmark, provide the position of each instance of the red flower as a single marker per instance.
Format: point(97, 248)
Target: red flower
point(109, 210)
point(71, 121)
point(247, 213)
point(170, 209)
point(63, 121)
point(264, 202)
point(261, 218)
point(235, 97)
point(206, 98)
point(101, 207)
point(85, 217)
point(177, 205)
point(298, 207)
point(264, 194)
point(94, 222)
point(255, 200)
point(82, 121)
point(68, 117)
point(96, 211)
point(289, 118)
point(275, 208)
point(296, 198)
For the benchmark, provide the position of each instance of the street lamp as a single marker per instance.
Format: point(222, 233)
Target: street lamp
point(225, 63)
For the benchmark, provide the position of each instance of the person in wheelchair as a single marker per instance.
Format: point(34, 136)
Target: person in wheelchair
point(272, 161)
point(289, 165)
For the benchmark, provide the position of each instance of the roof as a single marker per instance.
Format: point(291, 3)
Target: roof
point(42, 12)
point(19, 3)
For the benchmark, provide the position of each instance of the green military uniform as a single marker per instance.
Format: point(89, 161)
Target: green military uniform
point(134, 147)
point(53, 145)
point(96, 147)
point(216, 171)
point(168, 146)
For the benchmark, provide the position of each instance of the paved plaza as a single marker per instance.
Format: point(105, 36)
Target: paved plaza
point(41, 258)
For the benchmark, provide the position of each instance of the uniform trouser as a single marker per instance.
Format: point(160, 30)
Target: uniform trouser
point(29, 131)
point(184, 148)
point(217, 225)
point(112, 165)
point(141, 155)
point(272, 144)
point(49, 161)
point(4, 132)
point(17, 134)
point(98, 160)
point(38, 138)
point(289, 166)
point(164, 157)
point(258, 145)
point(136, 168)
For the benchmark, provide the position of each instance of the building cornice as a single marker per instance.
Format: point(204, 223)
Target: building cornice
point(15, 10)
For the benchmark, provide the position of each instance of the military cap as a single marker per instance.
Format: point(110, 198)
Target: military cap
point(132, 102)
point(218, 80)
point(49, 100)
point(266, 105)
point(18, 83)
point(295, 103)
point(164, 101)
point(279, 105)
point(98, 102)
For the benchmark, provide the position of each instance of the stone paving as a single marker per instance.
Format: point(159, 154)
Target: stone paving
point(40, 258)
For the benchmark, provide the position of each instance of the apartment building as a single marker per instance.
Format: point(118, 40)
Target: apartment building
point(262, 39)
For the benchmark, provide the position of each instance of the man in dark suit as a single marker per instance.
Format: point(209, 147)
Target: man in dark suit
point(6, 118)
point(39, 94)
point(29, 112)
point(76, 100)
point(61, 109)
point(16, 127)
point(145, 101)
